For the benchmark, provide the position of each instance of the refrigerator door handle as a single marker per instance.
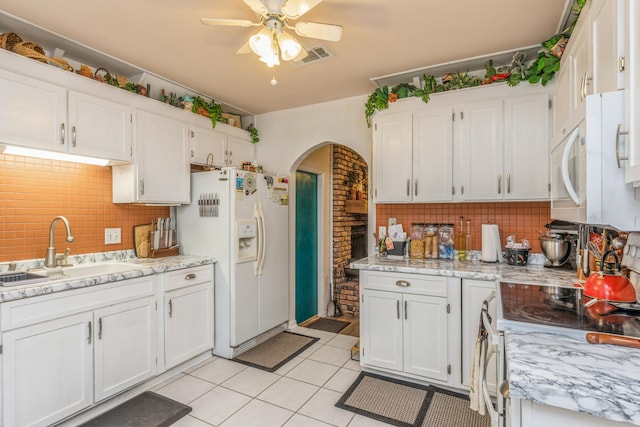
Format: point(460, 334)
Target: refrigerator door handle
point(261, 239)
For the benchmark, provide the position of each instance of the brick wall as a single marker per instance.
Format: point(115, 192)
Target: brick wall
point(344, 159)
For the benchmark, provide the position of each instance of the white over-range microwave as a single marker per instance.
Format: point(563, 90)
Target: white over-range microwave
point(587, 180)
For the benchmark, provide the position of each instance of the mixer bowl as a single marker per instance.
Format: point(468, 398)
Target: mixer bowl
point(555, 250)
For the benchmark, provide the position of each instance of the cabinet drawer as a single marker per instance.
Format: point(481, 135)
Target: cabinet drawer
point(406, 283)
point(29, 311)
point(188, 277)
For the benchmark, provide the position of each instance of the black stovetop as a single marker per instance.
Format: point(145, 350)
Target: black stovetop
point(565, 307)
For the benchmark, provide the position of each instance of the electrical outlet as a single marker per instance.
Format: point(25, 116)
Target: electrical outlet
point(112, 236)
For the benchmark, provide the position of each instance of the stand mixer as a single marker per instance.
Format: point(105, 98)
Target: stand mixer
point(559, 245)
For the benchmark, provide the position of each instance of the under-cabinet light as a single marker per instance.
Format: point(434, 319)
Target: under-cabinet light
point(52, 155)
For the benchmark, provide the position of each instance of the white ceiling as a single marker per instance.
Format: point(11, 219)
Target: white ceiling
point(379, 38)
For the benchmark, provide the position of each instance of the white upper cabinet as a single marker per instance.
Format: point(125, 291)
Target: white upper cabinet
point(218, 148)
point(632, 91)
point(161, 172)
point(32, 112)
point(526, 148)
point(482, 144)
point(393, 157)
point(49, 117)
point(99, 128)
point(608, 45)
point(482, 171)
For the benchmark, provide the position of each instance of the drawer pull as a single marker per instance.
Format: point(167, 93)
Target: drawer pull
point(100, 328)
point(170, 309)
point(398, 308)
point(403, 283)
point(190, 276)
point(405, 310)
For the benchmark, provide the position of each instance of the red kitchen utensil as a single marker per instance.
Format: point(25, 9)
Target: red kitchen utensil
point(609, 284)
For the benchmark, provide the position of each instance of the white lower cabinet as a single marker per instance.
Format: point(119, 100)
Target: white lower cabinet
point(526, 413)
point(404, 324)
point(188, 315)
point(474, 293)
point(47, 371)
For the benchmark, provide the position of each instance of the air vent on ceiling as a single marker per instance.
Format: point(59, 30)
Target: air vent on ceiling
point(314, 54)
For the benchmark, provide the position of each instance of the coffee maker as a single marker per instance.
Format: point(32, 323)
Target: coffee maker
point(568, 232)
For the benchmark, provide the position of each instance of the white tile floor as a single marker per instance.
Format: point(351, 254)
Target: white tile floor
point(301, 393)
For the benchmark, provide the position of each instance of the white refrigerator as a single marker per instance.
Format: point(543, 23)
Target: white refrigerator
point(241, 219)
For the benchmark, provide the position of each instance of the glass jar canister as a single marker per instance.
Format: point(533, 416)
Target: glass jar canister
point(431, 239)
point(416, 249)
point(446, 241)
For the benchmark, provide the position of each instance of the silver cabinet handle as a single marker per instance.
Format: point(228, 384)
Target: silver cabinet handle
point(170, 308)
point(190, 276)
point(100, 328)
point(63, 134)
point(504, 389)
point(403, 283)
point(142, 186)
point(415, 188)
point(408, 187)
point(618, 133)
point(230, 157)
point(405, 310)
point(73, 136)
point(499, 184)
point(90, 333)
point(398, 308)
point(508, 183)
point(462, 190)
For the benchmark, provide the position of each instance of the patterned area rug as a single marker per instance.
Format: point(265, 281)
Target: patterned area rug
point(276, 351)
point(409, 405)
point(145, 410)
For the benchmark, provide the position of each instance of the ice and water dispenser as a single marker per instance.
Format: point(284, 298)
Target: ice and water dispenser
point(247, 243)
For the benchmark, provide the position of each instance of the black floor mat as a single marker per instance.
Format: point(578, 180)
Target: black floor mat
point(145, 410)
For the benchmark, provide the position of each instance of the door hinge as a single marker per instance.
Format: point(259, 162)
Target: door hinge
point(453, 116)
point(448, 308)
point(449, 369)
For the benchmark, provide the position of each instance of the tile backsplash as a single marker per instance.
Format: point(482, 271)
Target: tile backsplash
point(521, 219)
point(34, 191)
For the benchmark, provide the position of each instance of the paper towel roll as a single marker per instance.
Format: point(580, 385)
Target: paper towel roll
point(491, 247)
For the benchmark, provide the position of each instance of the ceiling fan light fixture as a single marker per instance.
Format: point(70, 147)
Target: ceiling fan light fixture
point(261, 43)
point(289, 46)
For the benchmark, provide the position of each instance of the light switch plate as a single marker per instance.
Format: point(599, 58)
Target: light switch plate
point(112, 236)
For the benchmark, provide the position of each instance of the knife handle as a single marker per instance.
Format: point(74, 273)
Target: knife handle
point(600, 338)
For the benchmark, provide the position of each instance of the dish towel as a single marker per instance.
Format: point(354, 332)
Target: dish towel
point(476, 401)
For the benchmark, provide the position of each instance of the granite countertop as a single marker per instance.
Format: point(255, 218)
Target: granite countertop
point(141, 267)
point(529, 274)
point(566, 372)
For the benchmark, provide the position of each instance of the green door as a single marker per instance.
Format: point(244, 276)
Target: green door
point(306, 246)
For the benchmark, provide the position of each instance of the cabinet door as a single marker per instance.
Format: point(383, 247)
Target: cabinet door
point(208, 147)
point(381, 329)
point(239, 151)
point(188, 323)
point(526, 162)
point(162, 159)
point(125, 346)
point(474, 292)
point(425, 336)
point(632, 90)
point(607, 45)
point(482, 151)
point(393, 158)
point(32, 113)
point(582, 77)
point(47, 371)
point(433, 155)
point(562, 101)
point(99, 128)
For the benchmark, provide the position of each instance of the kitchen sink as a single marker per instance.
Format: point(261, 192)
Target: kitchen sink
point(99, 269)
point(18, 278)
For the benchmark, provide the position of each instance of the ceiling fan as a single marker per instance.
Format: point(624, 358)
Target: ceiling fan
point(274, 16)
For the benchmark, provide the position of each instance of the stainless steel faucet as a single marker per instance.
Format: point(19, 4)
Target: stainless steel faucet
point(50, 259)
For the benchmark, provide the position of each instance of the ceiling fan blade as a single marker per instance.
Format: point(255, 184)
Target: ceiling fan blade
point(228, 22)
point(257, 6)
point(244, 49)
point(320, 31)
point(293, 9)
